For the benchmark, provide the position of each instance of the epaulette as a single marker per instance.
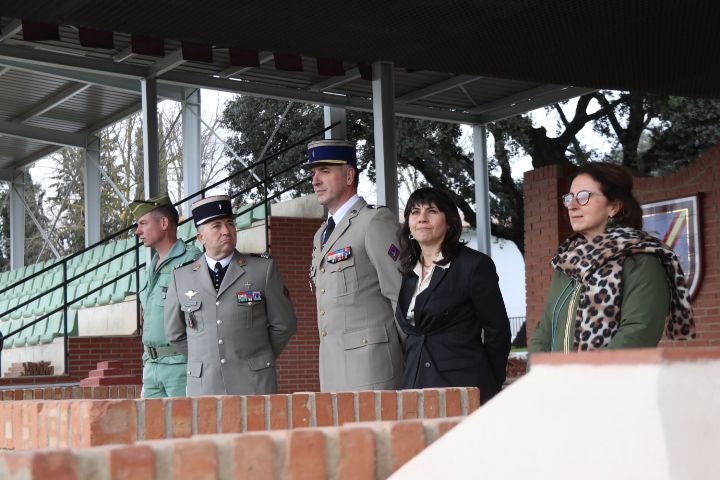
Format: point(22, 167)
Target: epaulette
point(260, 255)
point(183, 264)
point(375, 207)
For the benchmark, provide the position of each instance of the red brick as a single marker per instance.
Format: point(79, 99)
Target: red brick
point(255, 412)
point(131, 462)
point(206, 415)
point(305, 455)
point(154, 419)
point(231, 420)
point(345, 407)
point(388, 405)
point(473, 400)
point(196, 459)
point(357, 453)
point(323, 409)
point(253, 457)
point(453, 402)
point(366, 406)
point(409, 404)
point(431, 403)
point(278, 412)
point(301, 411)
point(446, 425)
point(406, 440)
point(111, 421)
point(41, 464)
point(181, 417)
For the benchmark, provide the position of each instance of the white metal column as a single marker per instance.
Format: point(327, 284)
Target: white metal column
point(332, 115)
point(91, 177)
point(151, 147)
point(17, 220)
point(192, 146)
point(482, 188)
point(384, 123)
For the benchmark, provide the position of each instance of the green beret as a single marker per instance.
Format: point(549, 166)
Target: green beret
point(138, 208)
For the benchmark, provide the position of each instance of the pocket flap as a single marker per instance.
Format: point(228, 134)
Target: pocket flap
point(194, 369)
point(261, 361)
point(367, 336)
point(190, 306)
point(342, 265)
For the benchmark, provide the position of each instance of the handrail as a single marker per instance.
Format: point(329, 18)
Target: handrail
point(64, 262)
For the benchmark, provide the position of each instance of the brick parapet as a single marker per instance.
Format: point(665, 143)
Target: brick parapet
point(85, 423)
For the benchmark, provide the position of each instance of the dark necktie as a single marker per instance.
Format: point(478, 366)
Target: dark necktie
point(217, 275)
point(328, 230)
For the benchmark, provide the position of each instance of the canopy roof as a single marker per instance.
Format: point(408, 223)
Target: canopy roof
point(465, 61)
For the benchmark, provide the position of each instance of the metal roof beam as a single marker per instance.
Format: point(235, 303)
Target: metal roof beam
point(332, 82)
point(165, 64)
point(284, 93)
point(10, 29)
point(44, 135)
point(51, 102)
point(232, 70)
point(434, 89)
point(123, 55)
point(531, 99)
point(81, 70)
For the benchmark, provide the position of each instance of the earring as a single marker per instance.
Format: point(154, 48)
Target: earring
point(411, 237)
point(611, 223)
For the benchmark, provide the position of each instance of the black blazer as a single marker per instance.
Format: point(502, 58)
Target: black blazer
point(445, 347)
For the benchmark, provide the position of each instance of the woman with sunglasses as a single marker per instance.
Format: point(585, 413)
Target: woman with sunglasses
point(614, 285)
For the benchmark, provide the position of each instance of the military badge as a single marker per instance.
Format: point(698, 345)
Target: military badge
point(339, 255)
point(190, 293)
point(249, 296)
point(394, 252)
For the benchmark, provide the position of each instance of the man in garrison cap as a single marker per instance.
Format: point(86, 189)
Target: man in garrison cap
point(354, 274)
point(230, 312)
point(163, 366)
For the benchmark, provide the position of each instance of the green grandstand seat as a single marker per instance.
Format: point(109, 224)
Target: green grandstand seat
point(20, 338)
point(121, 290)
point(37, 332)
point(91, 300)
point(29, 310)
point(80, 290)
point(53, 328)
point(14, 302)
point(11, 326)
point(258, 213)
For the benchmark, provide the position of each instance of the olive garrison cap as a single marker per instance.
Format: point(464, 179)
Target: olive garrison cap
point(138, 208)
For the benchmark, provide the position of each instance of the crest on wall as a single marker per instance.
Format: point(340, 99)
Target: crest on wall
point(677, 223)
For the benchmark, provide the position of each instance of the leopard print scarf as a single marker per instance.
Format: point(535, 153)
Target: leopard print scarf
point(597, 266)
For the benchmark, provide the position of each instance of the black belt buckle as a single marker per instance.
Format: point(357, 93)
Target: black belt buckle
point(152, 352)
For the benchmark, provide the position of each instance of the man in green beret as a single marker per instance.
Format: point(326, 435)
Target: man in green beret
point(164, 369)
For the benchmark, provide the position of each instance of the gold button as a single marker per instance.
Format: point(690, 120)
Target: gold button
point(322, 270)
point(217, 303)
point(267, 364)
point(222, 361)
point(323, 333)
point(219, 322)
point(220, 341)
point(364, 341)
point(322, 312)
point(322, 290)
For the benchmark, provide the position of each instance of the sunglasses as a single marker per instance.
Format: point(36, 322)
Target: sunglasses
point(582, 197)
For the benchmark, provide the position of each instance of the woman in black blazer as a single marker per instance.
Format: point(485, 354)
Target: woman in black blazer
point(450, 305)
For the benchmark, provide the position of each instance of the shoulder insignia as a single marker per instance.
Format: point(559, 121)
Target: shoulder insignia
point(183, 264)
point(261, 255)
point(375, 207)
point(241, 261)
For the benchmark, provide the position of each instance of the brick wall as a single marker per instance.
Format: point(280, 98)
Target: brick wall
point(291, 247)
point(85, 353)
point(546, 226)
point(371, 450)
point(85, 423)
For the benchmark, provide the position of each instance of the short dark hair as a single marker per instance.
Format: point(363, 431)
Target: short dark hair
point(167, 211)
point(616, 184)
point(410, 249)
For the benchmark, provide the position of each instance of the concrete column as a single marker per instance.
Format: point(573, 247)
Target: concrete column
point(332, 115)
point(192, 147)
point(384, 122)
point(91, 177)
point(151, 146)
point(482, 188)
point(17, 220)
